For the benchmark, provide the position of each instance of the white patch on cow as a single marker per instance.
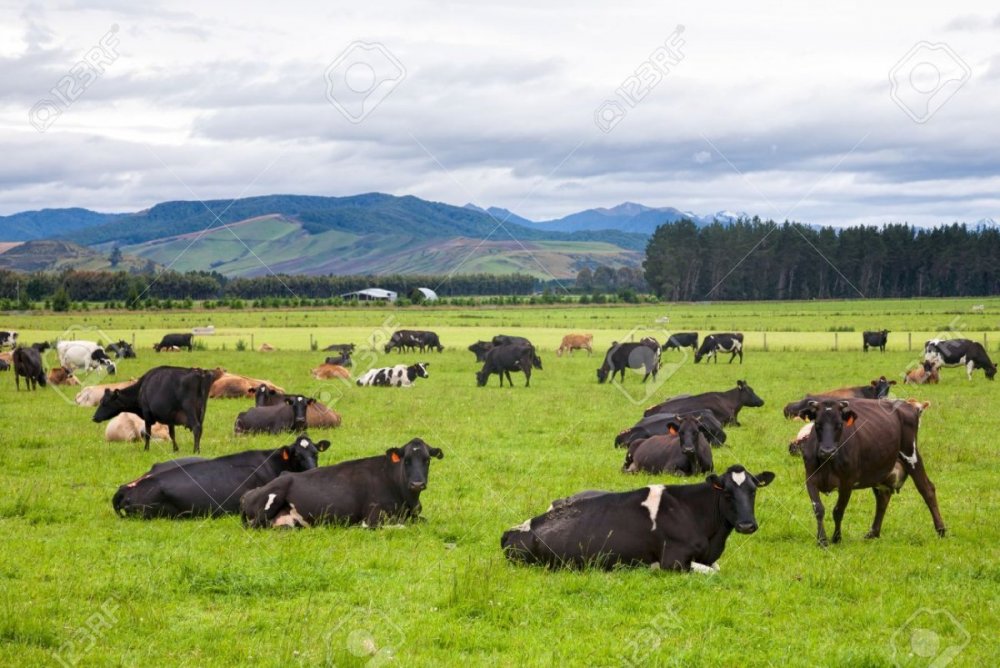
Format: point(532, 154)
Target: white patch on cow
point(912, 459)
point(739, 477)
point(702, 568)
point(270, 500)
point(655, 566)
point(304, 443)
point(652, 503)
point(525, 525)
point(969, 368)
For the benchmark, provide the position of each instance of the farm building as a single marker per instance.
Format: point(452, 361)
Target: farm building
point(429, 295)
point(371, 295)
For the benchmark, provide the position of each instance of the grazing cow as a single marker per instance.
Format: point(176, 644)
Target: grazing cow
point(479, 349)
point(121, 349)
point(328, 371)
point(683, 450)
point(60, 375)
point(659, 424)
point(8, 339)
point(680, 340)
point(858, 444)
point(86, 355)
point(41, 346)
point(725, 406)
point(573, 342)
point(506, 340)
point(174, 341)
point(289, 415)
point(28, 364)
point(168, 394)
point(233, 386)
point(877, 389)
point(212, 487)
point(370, 491)
point(713, 344)
point(408, 339)
point(339, 348)
point(960, 352)
point(92, 394)
point(343, 359)
point(926, 373)
point(875, 339)
point(677, 527)
point(395, 376)
point(4, 365)
point(503, 359)
point(318, 415)
point(129, 427)
point(621, 356)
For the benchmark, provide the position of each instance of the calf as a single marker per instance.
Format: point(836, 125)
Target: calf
point(175, 341)
point(680, 340)
point(573, 342)
point(926, 373)
point(395, 376)
point(623, 356)
point(713, 344)
point(328, 371)
point(659, 424)
point(370, 491)
point(212, 487)
point(28, 364)
point(60, 375)
point(680, 527)
point(479, 349)
point(318, 415)
point(683, 450)
point(725, 406)
point(289, 415)
point(858, 444)
point(86, 355)
point(129, 427)
point(875, 339)
point(503, 359)
point(960, 352)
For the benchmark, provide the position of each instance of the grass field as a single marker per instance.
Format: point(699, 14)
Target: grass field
point(79, 586)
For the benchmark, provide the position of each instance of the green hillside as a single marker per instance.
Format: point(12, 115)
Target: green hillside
point(55, 255)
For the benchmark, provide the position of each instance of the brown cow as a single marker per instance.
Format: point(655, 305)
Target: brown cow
point(318, 415)
point(235, 386)
point(266, 348)
point(925, 374)
point(128, 427)
point(328, 371)
point(91, 395)
point(859, 444)
point(60, 375)
point(573, 342)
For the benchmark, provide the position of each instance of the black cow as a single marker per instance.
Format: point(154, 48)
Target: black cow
point(875, 339)
point(682, 340)
point(623, 356)
point(680, 527)
point(28, 363)
point(713, 344)
point(858, 444)
point(684, 449)
point(8, 339)
point(121, 349)
point(506, 340)
point(877, 389)
point(960, 352)
point(408, 339)
point(288, 415)
point(211, 487)
point(370, 491)
point(725, 406)
point(659, 424)
point(4, 366)
point(503, 359)
point(175, 341)
point(343, 359)
point(479, 349)
point(41, 346)
point(339, 348)
point(166, 394)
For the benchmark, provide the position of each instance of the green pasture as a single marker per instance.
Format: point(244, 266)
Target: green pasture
point(79, 586)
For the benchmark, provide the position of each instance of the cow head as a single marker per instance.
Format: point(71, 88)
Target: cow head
point(413, 460)
point(112, 403)
point(882, 387)
point(303, 454)
point(265, 396)
point(831, 417)
point(688, 428)
point(747, 396)
point(480, 348)
point(738, 488)
point(418, 370)
point(102, 358)
point(990, 371)
point(707, 348)
point(299, 406)
point(602, 373)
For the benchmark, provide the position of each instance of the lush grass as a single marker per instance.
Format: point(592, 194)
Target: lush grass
point(439, 592)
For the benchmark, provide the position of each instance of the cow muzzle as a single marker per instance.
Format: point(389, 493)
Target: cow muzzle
point(746, 527)
point(418, 486)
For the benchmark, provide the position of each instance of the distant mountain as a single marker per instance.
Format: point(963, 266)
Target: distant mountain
point(502, 215)
point(46, 223)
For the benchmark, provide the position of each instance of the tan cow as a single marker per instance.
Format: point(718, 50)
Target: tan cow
point(319, 415)
point(91, 396)
point(60, 375)
point(128, 427)
point(266, 348)
point(235, 386)
point(328, 371)
point(573, 342)
point(926, 374)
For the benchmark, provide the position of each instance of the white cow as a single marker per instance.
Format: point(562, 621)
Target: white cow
point(395, 376)
point(83, 355)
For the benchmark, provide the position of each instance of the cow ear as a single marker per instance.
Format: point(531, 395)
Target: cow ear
point(284, 454)
point(436, 453)
point(395, 455)
point(322, 445)
point(809, 412)
point(764, 479)
point(874, 383)
point(741, 384)
point(892, 382)
point(715, 480)
point(672, 429)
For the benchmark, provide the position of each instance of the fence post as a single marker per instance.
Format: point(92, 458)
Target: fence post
point(252, 346)
point(310, 341)
point(765, 342)
point(909, 341)
point(836, 342)
point(133, 339)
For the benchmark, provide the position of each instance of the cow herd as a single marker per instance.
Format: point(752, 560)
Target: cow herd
point(853, 438)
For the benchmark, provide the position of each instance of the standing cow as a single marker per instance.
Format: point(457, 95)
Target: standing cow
point(573, 342)
point(875, 339)
point(170, 341)
point(8, 339)
point(28, 364)
point(621, 356)
point(503, 359)
point(960, 352)
point(407, 339)
point(711, 345)
point(681, 340)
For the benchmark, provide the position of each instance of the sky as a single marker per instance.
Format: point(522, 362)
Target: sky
point(838, 114)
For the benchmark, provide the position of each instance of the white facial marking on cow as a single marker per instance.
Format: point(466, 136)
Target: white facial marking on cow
point(652, 503)
point(525, 525)
point(739, 477)
point(270, 500)
point(304, 443)
point(912, 459)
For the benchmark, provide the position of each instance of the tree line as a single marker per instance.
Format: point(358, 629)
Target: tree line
point(762, 260)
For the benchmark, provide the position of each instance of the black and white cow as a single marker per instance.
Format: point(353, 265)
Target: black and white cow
point(711, 345)
point(409, 339)
point(8, 339)
point(678, 527)
point(121, 349)
point(211, 487)
point(875, 339)
point(960, 352)
point(395, 376)
point(370, 491)
point(682, 340)
point(86, 355)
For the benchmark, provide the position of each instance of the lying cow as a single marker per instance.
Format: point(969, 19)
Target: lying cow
point(725, 406)
point(129, 427)
point(659, 424)
point(370, 491)
point(212, 487)
point(233, 386)
point(858, 444)
point(92, 394)
point(622, 356)
point(121, 349)
point(86, 355)
point(573, 342)
point(60, 375)
point(177, 341)
point(288, 415)
point(318, 415)
point(960, 352)
point(328, 371)
point(343, 359)
point(8, 339)
point(713, 344)
point(339, 348)
point(681, 528)
point(926, 373)
point(877, 389)
point(394, 376)
point(503, 359)
point(683, 450)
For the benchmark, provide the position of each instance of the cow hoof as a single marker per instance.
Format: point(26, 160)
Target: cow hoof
point(941, 532)
point(822, 542)
point(836, 538)
point(872, 534)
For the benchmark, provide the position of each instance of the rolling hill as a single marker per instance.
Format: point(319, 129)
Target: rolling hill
point(57, 255)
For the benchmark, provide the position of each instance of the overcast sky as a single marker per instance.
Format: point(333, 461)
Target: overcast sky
point(773, 108)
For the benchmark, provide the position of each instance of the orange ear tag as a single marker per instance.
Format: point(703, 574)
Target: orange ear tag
point(672, 430)
point(850, 421)
point(395, 458)
point(284, 455)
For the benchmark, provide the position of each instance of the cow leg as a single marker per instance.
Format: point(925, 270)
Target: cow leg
point(196, 431)
point(843, 498)
point(147, 430)
point(882, 498)
point(969, 368)
point(170, 430)
point(927, 490)
point(741, 355)
point(527, 376)
point(819, 512)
